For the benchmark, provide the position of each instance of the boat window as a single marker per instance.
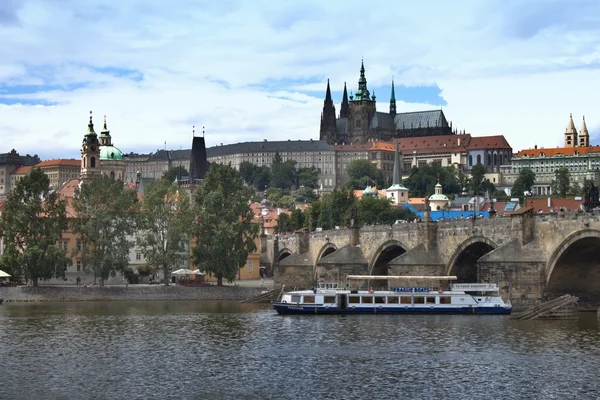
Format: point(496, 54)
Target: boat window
point(419, 300)
point(353, 299)
point(295, 299)
point(430, 300)
point(405, 300)
point(393, 300)
point(380, 299)
point(309, 299)
point(329, 299)
point(445, 300)
point(367, 300)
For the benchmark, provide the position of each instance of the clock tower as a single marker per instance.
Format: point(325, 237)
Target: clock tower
point(90, 153)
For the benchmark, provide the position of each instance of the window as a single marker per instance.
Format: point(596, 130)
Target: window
point(78, 245)
point(250, 266)
point(138, 256)
point(470, 161)
point(78, 266)
point(93, 162)
point(65, 244)
point(309, 299)
point(478, 159)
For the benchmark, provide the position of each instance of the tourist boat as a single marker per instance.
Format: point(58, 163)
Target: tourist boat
point(460, 298)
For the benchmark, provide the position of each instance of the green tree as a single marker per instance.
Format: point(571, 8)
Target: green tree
point(283, 174)
point(248, 172)
point(422, 180)
point(308, 177)
point(175, 172)
point(523, 183)
point(225, 232)
point(335, 208)
point(305, 194)
point(107, 218)
point(32, 223)
point(262, 178)
point(477, 177)
point(287, 202)
point(363, 173)
point(370, 209)
point(166, 225)
point(561, 184)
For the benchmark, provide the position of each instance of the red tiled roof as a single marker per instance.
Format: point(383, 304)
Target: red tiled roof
point(433, 144)
point(557, 151)
point(541, 204)
point(61, 161)
point(270, 218)
point(22, 170)
point(67, 191)
point(488, 142)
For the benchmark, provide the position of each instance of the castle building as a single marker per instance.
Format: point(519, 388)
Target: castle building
point(360, 122)
point(581, 159)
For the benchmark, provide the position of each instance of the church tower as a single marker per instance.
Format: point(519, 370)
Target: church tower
point(393, 102)
point(362, 109)
point(584, 135)
point(328, 131)
point(345, 106)
point(90, 153)
point(571, 133)
point(105, 139)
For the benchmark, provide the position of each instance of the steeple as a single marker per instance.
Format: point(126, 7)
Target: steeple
point(396, 177)
point(584, 135)
point(328, 119)
point(362, 93)
point(105, 139)
point(393, 101)
point(571, 133)
point(344, 108)
point(90, 153)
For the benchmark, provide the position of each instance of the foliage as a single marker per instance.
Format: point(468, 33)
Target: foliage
point(374, 211)
point(130, 275)
point(166, 224)
point(561, 184)
point(335, 209)
point(225, 232)
point(248, 172)
point(273, 194)
point(175, 173)
point(304, 195)
point(262, 177)
point(107, 217)
point(32, 223)
point(501, 195)
point(363, 173)
point(308, 177)
point(523, 183)
point(477, 178)
point(287, 202)
point(422, 180)
point(283, 173)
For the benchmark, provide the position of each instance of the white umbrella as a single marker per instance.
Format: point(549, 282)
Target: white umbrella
point(4, 274)
point(183, 271)
point(197, 272)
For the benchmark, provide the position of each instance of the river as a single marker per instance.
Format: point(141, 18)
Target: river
point(227, 350)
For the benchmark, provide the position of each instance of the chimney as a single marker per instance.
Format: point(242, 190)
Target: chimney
point(458, 142)
point(549, 201)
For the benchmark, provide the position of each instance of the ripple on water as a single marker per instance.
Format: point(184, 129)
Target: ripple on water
point(226, 350)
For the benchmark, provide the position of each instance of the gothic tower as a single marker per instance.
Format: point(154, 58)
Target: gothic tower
point(571, 133)
point(344, 108)
point(328, 129)
point(393, 101)
point(105, 139)
point(584, 135)
point(362, 109)
point(90, 153)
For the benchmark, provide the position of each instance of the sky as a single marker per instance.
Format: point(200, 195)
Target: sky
point(253, 70)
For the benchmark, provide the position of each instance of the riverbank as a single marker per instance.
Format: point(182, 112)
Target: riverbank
point(122, 293)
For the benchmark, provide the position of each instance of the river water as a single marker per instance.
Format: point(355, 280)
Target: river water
point(226, 350)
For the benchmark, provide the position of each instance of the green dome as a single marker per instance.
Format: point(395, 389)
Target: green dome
point(110, 153)
point(438, 197)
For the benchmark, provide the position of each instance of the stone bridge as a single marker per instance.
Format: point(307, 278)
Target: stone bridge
point(530, 256)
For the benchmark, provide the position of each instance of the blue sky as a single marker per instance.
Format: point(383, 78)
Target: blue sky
point(254, 70)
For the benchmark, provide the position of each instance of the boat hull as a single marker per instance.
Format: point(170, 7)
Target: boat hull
point(288, 309)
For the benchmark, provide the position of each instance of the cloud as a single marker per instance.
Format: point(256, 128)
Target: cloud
point(257, 70)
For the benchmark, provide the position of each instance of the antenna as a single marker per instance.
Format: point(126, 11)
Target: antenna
point(193, 130)
point(202, 131)
point(165, 145)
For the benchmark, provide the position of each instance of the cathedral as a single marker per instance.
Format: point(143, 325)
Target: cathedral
point(360, 122)
point(99, 156)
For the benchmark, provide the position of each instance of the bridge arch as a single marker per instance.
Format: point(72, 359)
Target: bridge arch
point(463, 262)
point(574, 267)
point(283, 253)
point(384, 254)
point(326, 250)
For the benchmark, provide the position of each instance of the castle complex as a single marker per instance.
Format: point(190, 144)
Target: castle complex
point(360, 122)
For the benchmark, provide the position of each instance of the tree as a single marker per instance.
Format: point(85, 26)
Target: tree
point(363, 173)
point(248, 172)
point(262, 178)
point(225, 232)
point(166, 224)
point(422, 180)
point(335, 208)
point(283, 173)
point(107, 218)
point(308, 177)
point(477, 177)
point(32, 223)
point(561, 184)
point(175, 173)
point(523, 183)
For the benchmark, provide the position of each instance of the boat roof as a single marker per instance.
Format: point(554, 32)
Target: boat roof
point(437, 278)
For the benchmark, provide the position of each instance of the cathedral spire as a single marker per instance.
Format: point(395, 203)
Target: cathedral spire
point(393, 101)
point(91, 126)
point(584, 135)
point(328, 129)
point(105, 139)
point(362, 93)
point(328, 94)
point(344, 109)
point(571, 133)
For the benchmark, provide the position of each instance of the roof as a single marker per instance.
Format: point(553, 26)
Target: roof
point(558, 151)
point(428, 144)
point(488, 142)
point(416, 200)
point(22, 170)
point(358, 194)
point(60, 161)
point(163, 155)
point(110, 153)
point(540, 205)
point(267, 146)
point(341, 125)
point(420, 119)
point(271, 215)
